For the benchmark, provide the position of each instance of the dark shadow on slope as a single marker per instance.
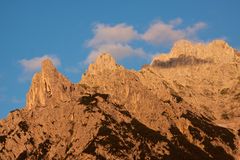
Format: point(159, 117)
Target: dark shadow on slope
point(122, 139)
point(181, 148)
point(216, 151)
point(195, 133)
point(91, 99)
point(42, 150)
point(22, 156)
point(182, 60)
point(3, 139)
point(122, 109)
point(176, 97)
point(140, 130)
point(23, 125)
point(211, 130)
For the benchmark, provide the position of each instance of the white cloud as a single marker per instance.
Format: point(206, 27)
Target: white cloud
point(161, 33)
point(116, 39)
point(120, 33)
point(34, 64)
point(192, 30)
point(118, 51)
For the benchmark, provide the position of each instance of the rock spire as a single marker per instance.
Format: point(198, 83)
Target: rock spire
point(47, 85)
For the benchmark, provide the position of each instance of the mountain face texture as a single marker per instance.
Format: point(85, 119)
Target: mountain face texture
point(185, 105)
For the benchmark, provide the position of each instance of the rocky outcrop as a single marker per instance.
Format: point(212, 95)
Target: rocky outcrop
point(206, 76)
point(93, 127)
point(115, 113)
point(48, 85)
point(217, 51)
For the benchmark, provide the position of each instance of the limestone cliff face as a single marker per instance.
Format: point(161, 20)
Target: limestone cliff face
point(47, 84)
point(206, 76)
point(167, 110)
point(104, 63)
point(217, 51)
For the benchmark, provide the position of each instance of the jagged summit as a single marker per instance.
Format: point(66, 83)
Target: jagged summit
point(46, 84)
point(104, 63)
point(165, 112)
point(47, 66)
point(217, 51)
point(205, 75)
point(219, 43)
point(183, 43)
point(105, 59)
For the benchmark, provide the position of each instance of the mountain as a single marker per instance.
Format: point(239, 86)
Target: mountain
point(184, 105)
point(207, 76)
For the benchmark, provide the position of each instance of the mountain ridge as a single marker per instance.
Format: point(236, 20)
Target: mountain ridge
point(163, 111)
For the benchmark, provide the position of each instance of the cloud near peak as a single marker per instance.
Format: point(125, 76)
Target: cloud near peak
point(34, 64)
point(118, 51)
point(120, 33)
point(116, 39)
point(160, 33)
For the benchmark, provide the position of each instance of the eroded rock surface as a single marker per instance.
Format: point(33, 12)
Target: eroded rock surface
point(164, 111)
point(206, 76)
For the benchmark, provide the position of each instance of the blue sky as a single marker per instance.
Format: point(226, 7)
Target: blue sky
point(72, 33)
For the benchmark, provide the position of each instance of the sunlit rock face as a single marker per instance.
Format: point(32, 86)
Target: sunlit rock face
point(184, 105)
point(217, 51)
point(207, 76)
point(47, 84)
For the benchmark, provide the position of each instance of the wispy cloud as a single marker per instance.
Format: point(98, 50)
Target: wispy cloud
point(118, 51)
point(161, 33)
point(116, 39)
point(193, 30)
point(34, 64)
point(120, 33)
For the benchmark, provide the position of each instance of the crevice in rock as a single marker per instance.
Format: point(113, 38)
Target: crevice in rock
point(22, 156)
point(23, 125)
point(3, 139)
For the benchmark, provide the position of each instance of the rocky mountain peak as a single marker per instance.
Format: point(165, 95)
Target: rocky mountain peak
point(48, 67)
point(105, 59)
point(217, 51)
point(104, 63)
point(186, 44)
point(47, 85)
point(210, 72)
point(220, 44)
point(182, 44)
point(172, 109)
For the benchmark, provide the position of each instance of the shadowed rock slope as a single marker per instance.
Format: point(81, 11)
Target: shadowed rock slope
point(113, 113)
